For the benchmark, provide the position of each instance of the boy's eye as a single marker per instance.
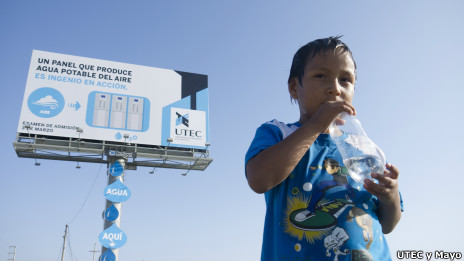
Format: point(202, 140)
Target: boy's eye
point(320, 75)
point(346, 80)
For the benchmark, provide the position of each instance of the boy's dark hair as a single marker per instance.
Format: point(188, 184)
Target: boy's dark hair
point(308, 51)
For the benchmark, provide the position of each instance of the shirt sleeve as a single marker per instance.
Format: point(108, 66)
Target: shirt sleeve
point(266, 136)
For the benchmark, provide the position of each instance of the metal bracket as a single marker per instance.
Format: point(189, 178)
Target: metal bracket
point(96, 151)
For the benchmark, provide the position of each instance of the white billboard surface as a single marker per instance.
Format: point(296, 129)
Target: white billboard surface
point(114, 101)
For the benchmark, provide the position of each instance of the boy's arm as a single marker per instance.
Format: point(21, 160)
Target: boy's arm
point(273, 165)
point(386, 191)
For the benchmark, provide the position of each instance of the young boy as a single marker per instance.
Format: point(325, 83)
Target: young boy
point(315, 211)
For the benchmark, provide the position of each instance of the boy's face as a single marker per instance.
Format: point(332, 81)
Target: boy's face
point(327, 77)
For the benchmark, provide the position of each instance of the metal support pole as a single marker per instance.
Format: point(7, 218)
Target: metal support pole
point(111, 180)
point(64, 242)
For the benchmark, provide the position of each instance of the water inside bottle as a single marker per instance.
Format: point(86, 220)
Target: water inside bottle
point(360, 168)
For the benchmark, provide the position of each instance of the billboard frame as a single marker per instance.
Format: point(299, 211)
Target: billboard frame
point(38, 146)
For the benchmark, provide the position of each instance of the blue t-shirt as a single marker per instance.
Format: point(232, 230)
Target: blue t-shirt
point(318, 212)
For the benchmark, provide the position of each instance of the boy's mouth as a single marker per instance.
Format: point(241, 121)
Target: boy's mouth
point(336, 99)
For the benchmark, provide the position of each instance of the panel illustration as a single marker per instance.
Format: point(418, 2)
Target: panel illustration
point(117, 111)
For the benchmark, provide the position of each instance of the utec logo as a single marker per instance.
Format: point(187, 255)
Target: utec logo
point(188, 127)
point(183, 121)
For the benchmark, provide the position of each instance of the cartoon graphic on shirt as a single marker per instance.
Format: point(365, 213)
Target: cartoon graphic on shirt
point(365, 222)
point(300, 202)
point(314, 218)
point(300, 222)
point(339, 178)
point(334, 241)
point(333, 168)
point(323, 218)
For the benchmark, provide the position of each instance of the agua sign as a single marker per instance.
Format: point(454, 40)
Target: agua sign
point(117, 192)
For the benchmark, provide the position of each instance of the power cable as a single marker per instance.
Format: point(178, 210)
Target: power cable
point(59, 253)
point(87, 197)
point(78, 212)
point(71, 253)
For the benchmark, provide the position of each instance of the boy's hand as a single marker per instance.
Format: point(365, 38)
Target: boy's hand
point(389, 211)
point(387, 189)
point(328, 111)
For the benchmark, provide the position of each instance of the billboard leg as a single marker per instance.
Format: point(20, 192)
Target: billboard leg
point(107, 223)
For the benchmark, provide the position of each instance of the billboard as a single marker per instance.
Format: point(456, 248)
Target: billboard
point(114, 101)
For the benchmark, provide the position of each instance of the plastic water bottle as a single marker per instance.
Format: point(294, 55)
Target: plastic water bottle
point(360, 155)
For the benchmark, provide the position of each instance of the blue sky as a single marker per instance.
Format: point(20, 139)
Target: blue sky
point(408, 98)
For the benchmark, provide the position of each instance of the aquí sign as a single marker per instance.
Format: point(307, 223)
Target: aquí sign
point(113, 237)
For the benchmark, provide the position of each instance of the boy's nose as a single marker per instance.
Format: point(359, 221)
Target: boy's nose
point(334, 89)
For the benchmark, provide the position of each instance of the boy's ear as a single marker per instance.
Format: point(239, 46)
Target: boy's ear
point(292, 87)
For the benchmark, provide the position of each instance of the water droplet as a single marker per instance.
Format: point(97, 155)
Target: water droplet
point(116, 169)
point(112, 213)
point(118, 136)
point(108, 256)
